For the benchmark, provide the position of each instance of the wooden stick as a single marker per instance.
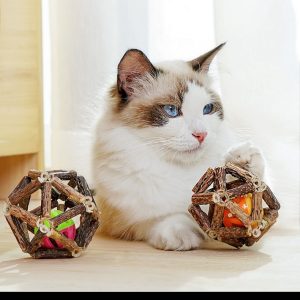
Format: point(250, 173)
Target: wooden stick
point(271, 215)
point(24, 215)
point(72, 183)
point(238, 172)
point(231, 185)
point(63, 175)
point(68, 191)
point(219, 185)
point(234, 184)
point(83, 187)
point(69, 204)
point(67, 243)
point(202, 199)
point(226, 233)
point(236, 243)
point(271, 199)
point(21, 185)
point(18, 233)
point(38, 211)
point(69, 214)
point(211, 212)
point(86, 230)
point(22, 228)
point(57, 171)
point(36, 242)
point(94, 227)
point(55, 194)
point(238, 212)
point(66, 175)
point(24, 193)
point(30, 228)
point(218, 216)
point(34, 174)
point(204, 183)
point(200, 217)
point(241, 190)
point(51, 254)
point(25, 229)
point(220, 179)
point(24, 203)
point(257, 213)
point(252, 240)
point(46, 199)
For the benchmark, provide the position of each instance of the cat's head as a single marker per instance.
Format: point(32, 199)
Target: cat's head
point(171, 106)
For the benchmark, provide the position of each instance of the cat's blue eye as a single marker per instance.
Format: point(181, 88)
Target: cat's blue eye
point(208, 109)
point(171, 110)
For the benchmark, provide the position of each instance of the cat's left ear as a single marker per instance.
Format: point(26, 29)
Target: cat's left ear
point(133, 66)
point(202, 63)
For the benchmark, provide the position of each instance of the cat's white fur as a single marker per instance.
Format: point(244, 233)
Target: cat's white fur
point(147, 175)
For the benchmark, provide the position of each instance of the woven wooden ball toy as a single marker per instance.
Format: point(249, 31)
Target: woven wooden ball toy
point(241, 208)
point(54, 229)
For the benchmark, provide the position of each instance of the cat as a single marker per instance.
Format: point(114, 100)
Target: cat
point(161, 128)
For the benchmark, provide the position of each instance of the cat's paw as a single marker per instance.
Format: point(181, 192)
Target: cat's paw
point(176, 233)
point(248, 157)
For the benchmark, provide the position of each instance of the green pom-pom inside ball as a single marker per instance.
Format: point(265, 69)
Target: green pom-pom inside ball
point(61, 227)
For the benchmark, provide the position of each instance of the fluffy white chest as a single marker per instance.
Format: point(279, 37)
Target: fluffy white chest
point(147, 187)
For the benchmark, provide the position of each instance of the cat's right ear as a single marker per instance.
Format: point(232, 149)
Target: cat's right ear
point(202, 63)
point(133, 66)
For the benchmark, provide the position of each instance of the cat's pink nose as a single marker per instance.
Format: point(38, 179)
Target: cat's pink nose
point(200, 136)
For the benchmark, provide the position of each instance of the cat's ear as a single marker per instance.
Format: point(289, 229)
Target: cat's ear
point(133, 66)
point(202, 63)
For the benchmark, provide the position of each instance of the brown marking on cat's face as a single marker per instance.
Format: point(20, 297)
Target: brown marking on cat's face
point(216, 101)
point(148, 110)
point(143, 90)
point(139, 112)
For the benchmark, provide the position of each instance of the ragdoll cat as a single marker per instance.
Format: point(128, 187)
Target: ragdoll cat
point(163, 126)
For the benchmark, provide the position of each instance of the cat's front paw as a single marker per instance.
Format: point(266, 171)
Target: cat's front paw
point(248, 157)
point(175, 233)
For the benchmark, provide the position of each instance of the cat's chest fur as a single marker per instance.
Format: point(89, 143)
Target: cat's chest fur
point(134, 179)
point(165, 188)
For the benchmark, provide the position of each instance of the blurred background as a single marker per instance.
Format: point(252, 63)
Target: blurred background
point(57, 57)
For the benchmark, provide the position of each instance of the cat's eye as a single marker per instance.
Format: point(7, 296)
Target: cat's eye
point(208, 109)
point(171, 110)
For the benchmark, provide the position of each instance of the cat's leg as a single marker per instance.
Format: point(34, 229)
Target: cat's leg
point(175, 233)
point(248, 157)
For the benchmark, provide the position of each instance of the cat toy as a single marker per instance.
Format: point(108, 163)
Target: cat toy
point(241, 211)
point(64, 223)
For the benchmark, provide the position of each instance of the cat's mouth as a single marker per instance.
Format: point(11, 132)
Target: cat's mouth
point(192, 150)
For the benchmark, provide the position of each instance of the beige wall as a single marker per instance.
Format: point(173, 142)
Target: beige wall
point(20, 90)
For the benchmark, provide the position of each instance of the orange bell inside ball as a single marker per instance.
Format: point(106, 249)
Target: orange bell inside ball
point(245, 203)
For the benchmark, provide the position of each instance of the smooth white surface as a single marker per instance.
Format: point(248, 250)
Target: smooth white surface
point(110, 265)
point(180, 29)
point(296, 6)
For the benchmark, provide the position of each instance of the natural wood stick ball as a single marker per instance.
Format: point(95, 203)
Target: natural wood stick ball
point(49, 230)
point(235, 208)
